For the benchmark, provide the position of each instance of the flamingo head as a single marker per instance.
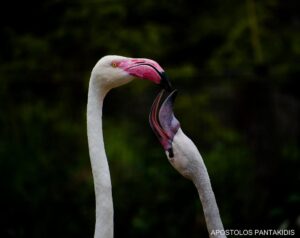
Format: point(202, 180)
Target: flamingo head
point(180, 150)
point(162, 120)
point(113, 71)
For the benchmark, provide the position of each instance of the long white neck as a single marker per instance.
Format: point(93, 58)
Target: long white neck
point(208, 200)
point(190, 164)
point(100, 168)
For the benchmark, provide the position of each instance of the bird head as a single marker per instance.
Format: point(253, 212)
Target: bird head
point(162, 120)
point(181, 151)
point(113, 71)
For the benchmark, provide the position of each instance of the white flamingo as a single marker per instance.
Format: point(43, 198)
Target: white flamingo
point(185, 158)
point(108, 73)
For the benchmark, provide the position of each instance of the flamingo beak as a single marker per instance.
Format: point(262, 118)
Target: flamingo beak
point(162, 120)
point(165, 82)
point(147, 69)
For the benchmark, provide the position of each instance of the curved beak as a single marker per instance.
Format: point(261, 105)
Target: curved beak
point(162, 120)
point(146, 69)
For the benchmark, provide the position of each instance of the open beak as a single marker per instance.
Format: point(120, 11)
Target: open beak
point(147, 69)
point(162, 120)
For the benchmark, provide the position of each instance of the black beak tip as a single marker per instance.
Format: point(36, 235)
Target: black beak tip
point(165, 82)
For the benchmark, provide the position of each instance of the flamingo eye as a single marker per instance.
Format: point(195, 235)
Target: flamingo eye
point(114, 64)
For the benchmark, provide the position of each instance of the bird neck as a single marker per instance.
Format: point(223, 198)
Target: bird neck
point(99, 163)
point(208, 200)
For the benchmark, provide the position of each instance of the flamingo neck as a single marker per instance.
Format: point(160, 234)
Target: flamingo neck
point(188, 161)
point(100, 168)
point(208, 200)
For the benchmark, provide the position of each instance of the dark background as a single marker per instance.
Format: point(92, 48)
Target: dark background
point(236, 65)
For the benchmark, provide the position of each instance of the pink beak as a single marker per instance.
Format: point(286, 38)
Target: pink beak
point(146, 69)
point(162, 120)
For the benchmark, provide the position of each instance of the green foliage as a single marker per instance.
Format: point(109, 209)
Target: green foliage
point(236, 66)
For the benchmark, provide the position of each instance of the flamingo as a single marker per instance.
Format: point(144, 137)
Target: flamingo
point(110, 72)
point(185, 158)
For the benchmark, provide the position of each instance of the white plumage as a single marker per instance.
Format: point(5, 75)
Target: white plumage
point(108, 73)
